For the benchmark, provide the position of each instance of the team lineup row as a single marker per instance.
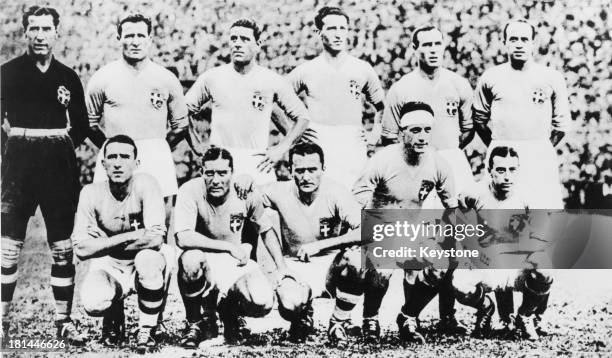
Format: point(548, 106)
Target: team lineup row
point(519, 109)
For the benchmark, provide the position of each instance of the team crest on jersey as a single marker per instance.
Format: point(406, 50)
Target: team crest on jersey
point(63, 96)
point(354, 89)
point(259, 101)
point(426, 187)
point(452, 106)
point(539, 96)
point(158, 99)
point(136, 222)
point(236, 221)
point(326, 228)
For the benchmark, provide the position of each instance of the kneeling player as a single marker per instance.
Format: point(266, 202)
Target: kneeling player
point(507, 226)
point(403, 176)
point(120, 226)
point(210, 220)
point(318, 215)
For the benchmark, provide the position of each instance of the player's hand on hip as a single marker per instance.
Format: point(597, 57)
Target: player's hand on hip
point(243, 184)
point(240, 254)
point(306, 251)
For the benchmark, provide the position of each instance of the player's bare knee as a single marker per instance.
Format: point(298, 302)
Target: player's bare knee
point(149, 265)
point(10, 251)
point(61, 251)
point(292, 296)
point(97, 294)
point(191, 265)
point(257, 294)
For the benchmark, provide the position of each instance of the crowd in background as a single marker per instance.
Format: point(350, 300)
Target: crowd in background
point(189, 37)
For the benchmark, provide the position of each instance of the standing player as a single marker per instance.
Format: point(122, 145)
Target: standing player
point(43, 101)
point(119, 225)
point(317, 216)
point(335, 85)
point(136, 97)
point(402, 176)
point(449, 95)
point(210, 221)
point(523, 104)
point(498, 203)
point(242, 95)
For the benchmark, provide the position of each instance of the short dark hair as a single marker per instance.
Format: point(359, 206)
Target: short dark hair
point(328, 10)
point(249, 24)
point(415, 34)
point(523, 21)
point(121, 138)
point(134, 18)
point(304, 148)
point(501, 151)
point(214, 153)
point(39, 11)
point(414, 106)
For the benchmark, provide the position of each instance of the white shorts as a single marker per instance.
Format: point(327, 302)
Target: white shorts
point(314, 273)
point(345, 150)
point(124, 272)
point(538, 172)
point(155, 159)
point(461, 172)
point(223, 270)
point(246, 161)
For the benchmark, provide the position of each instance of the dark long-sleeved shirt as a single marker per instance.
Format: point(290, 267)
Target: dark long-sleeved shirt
point(43, 100)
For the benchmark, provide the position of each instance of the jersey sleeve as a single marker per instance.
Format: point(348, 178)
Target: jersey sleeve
point(482, 99)
point(296, 79)
point(373, 89)
point(185, 209)
point(95, 97)
point(153, 210)
point(177, 108)
point(348, 209)
point(445, 186)
point(266, 192)
point(466, 123)
point(364, 187)
point(560, 105)
point(198, 94)
point(77, 111)
point(256, 213)
point(391, 118)
point(289, 101)
point(85, 216)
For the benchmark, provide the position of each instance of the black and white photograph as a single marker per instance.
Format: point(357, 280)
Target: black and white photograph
point(286, 178)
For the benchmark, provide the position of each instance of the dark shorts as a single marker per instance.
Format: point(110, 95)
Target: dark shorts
point(39, 171)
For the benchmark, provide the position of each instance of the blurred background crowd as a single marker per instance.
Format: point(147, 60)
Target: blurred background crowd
point(573, 36)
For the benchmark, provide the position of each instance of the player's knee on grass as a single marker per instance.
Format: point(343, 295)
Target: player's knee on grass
point(192, 265)
point(253, 294)
point(98, 293)
point(150, 266)
point(293, 298)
